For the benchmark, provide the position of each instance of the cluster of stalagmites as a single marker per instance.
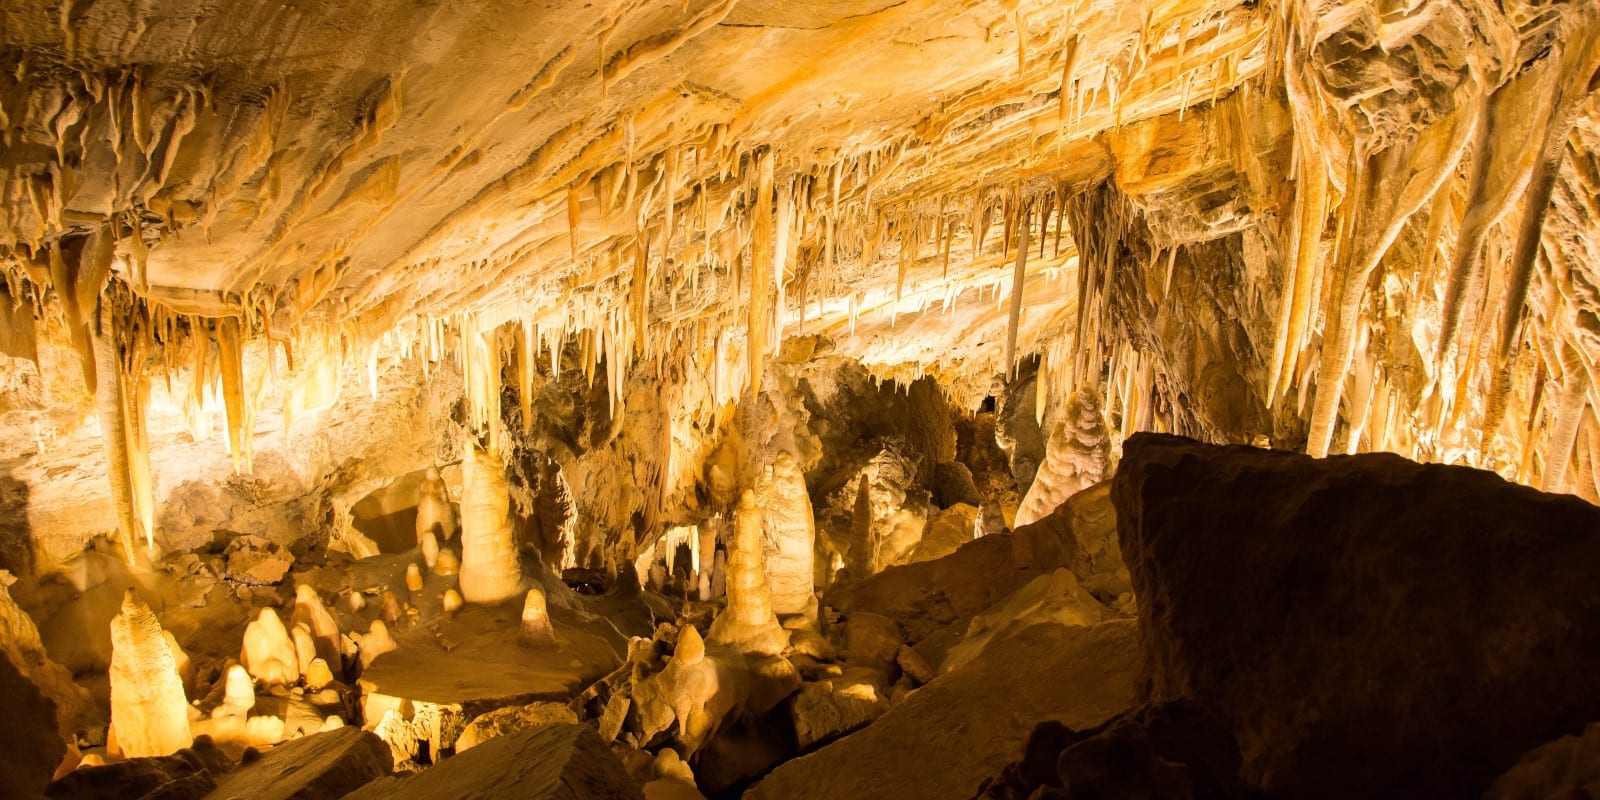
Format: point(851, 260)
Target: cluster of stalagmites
point(1009, 667)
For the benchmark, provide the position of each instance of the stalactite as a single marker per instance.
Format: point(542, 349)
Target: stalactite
point(1569, 413)
point(761, 262)
point(114, 436)
point(1017, 277)
point(241, 417)
point(525, 371)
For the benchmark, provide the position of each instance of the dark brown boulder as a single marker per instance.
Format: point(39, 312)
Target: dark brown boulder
point(189, 773)
point(1368, 626)
point(33, 749)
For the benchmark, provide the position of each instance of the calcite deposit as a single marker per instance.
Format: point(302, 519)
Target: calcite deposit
point(841, 398)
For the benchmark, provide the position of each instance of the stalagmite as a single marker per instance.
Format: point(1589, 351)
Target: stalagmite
point(790, 535)
point(489, 567)
point(309, 611)
point(450, 602)
point(269, 652)
point(434, 513)
point(389, 609)
point(148, 709)
point(375, 642)
point(429, 548)
point(318, 675)
point(114, 425)
point(305, 646)
point(239, 692)
point(413, 577)
point(536, 630)
point(448, 563)
point(748, 623)
point(707, 544)
point(1076, 457)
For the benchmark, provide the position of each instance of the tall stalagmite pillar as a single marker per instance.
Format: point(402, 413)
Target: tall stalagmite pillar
point(748, 622)
point(489, 569)
point(791, 536)
point(149, 713)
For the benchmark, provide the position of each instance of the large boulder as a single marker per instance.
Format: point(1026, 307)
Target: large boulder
point(323, 766)
point(945, 739)
point(1367, 626)
point(556, 762)
point(33, 748)
point(1566, 767)
point(190, 772)
point(1172, 750)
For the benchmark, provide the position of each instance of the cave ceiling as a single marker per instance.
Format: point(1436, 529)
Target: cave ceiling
point(1338, 226)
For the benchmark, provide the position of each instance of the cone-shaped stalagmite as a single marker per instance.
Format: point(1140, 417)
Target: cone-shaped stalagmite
point(489, 568)
point(536, 629)
point(791, 536)
point(748, 622)
point(149, 712)
point(269, 653)
point(433, 508)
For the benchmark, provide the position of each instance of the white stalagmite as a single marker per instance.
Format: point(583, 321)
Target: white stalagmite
point(489, 569)
point(269, 653)
point(790, 536)
point(433, 508)
point(1075, 458)
point(748, 623)
point(149, 712)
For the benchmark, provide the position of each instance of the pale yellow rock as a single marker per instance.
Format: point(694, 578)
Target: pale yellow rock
point(375, 642)
point(536, 630)
point(305, 647)
point(148, 707)
point(489, 566)
point(429, 548)
point(448, 563)
point(318, 675)
point(450, 602)
point(181, 660)
point(413, 578)
point(309, 610)
point(389, 611)
point(748, 623)
point(269, 653)
point(790, 536)
point(434, 514)
point(239, 692)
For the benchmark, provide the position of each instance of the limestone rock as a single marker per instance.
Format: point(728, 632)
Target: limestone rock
point(189, 772)
point(889, 513)
point(536, 629)
point(269, 652)
point(1367, 626)
point(434, 514)
point(149, 712)
point(698, 690)
point(748, 623)
point(825, 710)
point(322, 766)
point(21, 645)
point(256, 561)
point(558, 762)
point(1566, 767)
point(33, 748)
point(1076, 457)
point(790, 536)
point(946, 532)
point(489, 565)
point(310, 611)
point(1081, 535)
point(1172, 750)
point(513, 719)
point(1057, 597)
point(953, 484)
point(945, 739)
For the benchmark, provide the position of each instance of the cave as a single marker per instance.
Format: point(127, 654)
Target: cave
point(834, 399)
